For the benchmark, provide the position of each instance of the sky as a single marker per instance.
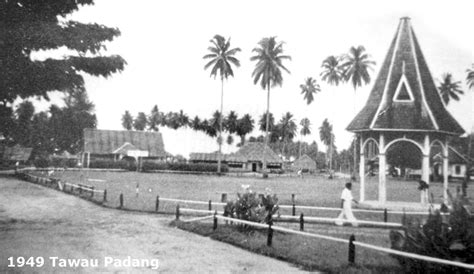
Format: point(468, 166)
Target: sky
point(163, 43)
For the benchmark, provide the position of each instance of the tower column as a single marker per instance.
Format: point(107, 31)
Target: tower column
point(382, 163)
point(362, 170)
point(425, 168)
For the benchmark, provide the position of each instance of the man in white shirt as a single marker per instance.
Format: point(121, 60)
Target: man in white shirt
point(346, 205)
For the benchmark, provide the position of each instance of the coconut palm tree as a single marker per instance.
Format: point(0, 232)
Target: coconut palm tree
point(332, 73)
point(269, 57)
point(356, 66)
point(286, 129)
point(245, 125)
point(305, 130)
point(221, 59)
point(309, 88)
point(449, 89)
point(327, 137)
point(470, 77)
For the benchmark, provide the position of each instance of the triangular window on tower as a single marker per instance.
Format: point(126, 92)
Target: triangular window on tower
point(403, 92)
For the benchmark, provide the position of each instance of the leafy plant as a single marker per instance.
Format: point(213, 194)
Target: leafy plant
point(252, 207)
point(448, 237)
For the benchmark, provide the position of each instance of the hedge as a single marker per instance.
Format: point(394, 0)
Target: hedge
point(111, 164)
point(149, 166)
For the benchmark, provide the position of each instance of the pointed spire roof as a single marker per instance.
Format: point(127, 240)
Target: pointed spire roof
point(404, 96)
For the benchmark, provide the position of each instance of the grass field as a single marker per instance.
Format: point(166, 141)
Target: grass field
point(309, 190)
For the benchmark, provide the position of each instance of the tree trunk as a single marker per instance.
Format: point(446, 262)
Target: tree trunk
point(219, 156)
point(264, 167)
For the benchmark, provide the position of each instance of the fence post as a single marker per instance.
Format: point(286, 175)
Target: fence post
point(177, 212)
point(301, 222)
point(210, 205)
point(80, 189)
point(121, 200)
point(270, 234)
point(404, 218)
point(92, 192)
point(385, 215)
point(293, 211)
point(351, 249)
point(157, 205)
point(224, 198)
point(105, 195)
point(214, 227)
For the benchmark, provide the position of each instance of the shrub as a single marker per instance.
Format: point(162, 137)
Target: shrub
point(252, 207)
point(448, 237)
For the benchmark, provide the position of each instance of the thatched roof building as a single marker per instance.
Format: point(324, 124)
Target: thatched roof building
point(253, 152)
point(305, 163)
point(107, 142)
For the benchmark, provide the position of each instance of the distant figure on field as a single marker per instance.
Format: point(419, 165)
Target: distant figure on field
point(346, 205)
point(300, 173)
point(138, 189)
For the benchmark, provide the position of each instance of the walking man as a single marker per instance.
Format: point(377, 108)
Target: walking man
point(346, 205)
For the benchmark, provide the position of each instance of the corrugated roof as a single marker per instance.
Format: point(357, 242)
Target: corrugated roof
point(99, 141)
point(405, 63)
point(253, 152)
point(305, 162)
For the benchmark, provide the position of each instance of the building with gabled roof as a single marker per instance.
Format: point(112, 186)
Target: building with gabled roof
point(404, 106)
point(305, 163)
point(254, 151)
point(116, 144)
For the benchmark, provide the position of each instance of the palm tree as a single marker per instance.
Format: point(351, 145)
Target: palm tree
point(449, 89)
point(327, 137)
point(230, 122)
point(332, 73)
point(309, 88)
point(182, 118)
point(356, 68)
point(305, 130)
point(222, 59)
point(287, 129)
point(269, 57)
point(244, 126)
point(470, 77)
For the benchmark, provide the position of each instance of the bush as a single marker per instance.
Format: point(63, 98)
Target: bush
point(42, 163)
point(449, 237)
point(252, 207)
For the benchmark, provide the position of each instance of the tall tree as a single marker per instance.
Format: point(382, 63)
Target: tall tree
point(32, 26)
point(183, 119)
point(470, 77)
point(24, 124)
point(305, 130)
point(127, 120)
point(154, 120)
point(333, 72)
point(222, 58)
point(269, 57)
point(287, 130)
point(449, 89)
point(309, 88)
point(140, 121)
point(231, 122)
point(356, 66)
point(68, 123)
point(327, 137)
point(245, 125)
point(42, 144)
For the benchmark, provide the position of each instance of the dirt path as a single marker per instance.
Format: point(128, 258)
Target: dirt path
point(35, 221)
